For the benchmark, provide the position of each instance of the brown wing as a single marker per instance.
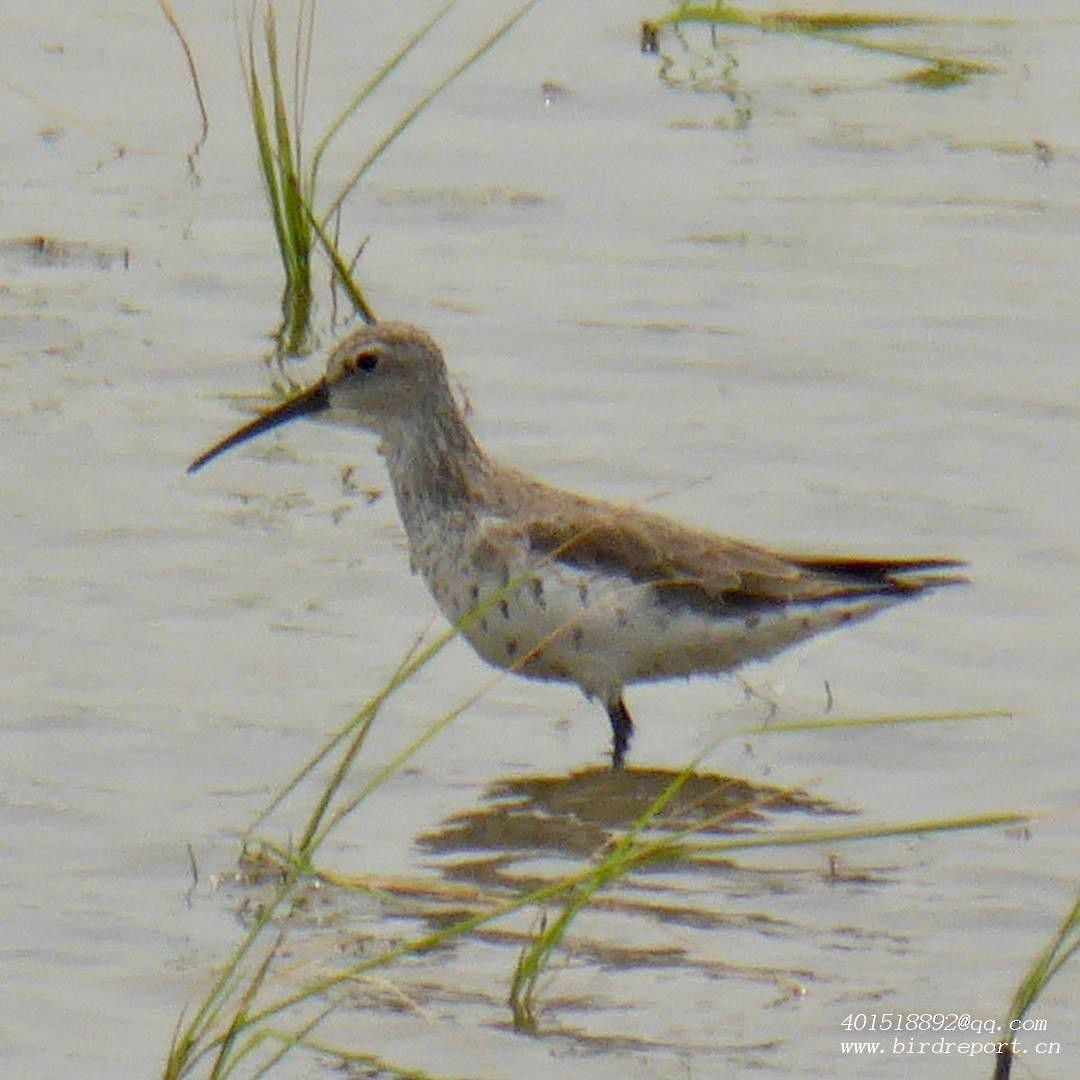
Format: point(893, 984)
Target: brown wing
point(694, 566)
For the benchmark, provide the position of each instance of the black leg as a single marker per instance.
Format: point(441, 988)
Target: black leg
point(622, 727)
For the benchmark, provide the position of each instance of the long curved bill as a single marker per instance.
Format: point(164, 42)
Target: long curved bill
point(314, 399)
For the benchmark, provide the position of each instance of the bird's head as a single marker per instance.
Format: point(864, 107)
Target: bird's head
point(376, 377)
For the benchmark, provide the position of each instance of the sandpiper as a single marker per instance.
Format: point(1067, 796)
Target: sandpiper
point(554, 585)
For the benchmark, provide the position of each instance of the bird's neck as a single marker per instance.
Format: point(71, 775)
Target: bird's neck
point(436, 466)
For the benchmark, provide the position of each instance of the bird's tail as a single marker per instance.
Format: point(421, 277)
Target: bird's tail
point(899, 575)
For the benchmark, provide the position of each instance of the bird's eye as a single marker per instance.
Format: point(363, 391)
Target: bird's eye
point(367, 361)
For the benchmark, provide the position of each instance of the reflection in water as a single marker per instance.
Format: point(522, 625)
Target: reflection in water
point(578, 815)
point(704, 922)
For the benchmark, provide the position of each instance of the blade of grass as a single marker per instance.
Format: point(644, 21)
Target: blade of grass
point(186, 1051)
point(391, 768)
point(805, 837)
point(278, 150)
point(287, 160)
point(291, 192)
point(634, 858)
point(286, 1042)
point(342, 273)
point(359, 725)
point(624, 858)
point(825, 723)
point(189, 57)
point(784, 21)
point(263, 145)
point(387, 140)
point(327, 748)
point(314, 834)
point(1058, 951)
point(533, 960)
point(371, 1065)
point(236, 1026)
point(906, 52)
point(370, 87)
point(396, 763)
point(315, 831)
point(627, 856)
point(301, 79)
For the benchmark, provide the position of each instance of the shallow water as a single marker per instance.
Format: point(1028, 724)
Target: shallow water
point(849, 325)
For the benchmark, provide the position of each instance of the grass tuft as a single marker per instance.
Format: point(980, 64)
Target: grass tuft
point(938, 71)
point(276, 105)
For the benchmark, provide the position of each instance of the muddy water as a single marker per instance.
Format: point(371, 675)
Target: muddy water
point(793, 300)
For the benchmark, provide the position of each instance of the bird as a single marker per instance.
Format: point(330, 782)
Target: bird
point(553, 585)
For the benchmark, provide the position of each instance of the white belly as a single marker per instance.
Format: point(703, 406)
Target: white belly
point(547, 620)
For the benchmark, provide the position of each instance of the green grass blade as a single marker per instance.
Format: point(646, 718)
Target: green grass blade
point(827, 723)
point(221, 1067)
point(387, 140)
point(626, 858)
point(278, 146)
point(421, 659)
point(534, 959)
point(1061, 948)
point(286, 1041)
point(195, 1041)
point(806, 837)
point(264, 144)
point(397, 677)
point(434, 940)
point(342, 272)
point(396, 763)
point(370, 87)
point(301, 76)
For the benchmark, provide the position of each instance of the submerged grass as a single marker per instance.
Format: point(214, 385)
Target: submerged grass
point(939, 70)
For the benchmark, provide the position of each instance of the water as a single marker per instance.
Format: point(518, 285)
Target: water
point(850, 326)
